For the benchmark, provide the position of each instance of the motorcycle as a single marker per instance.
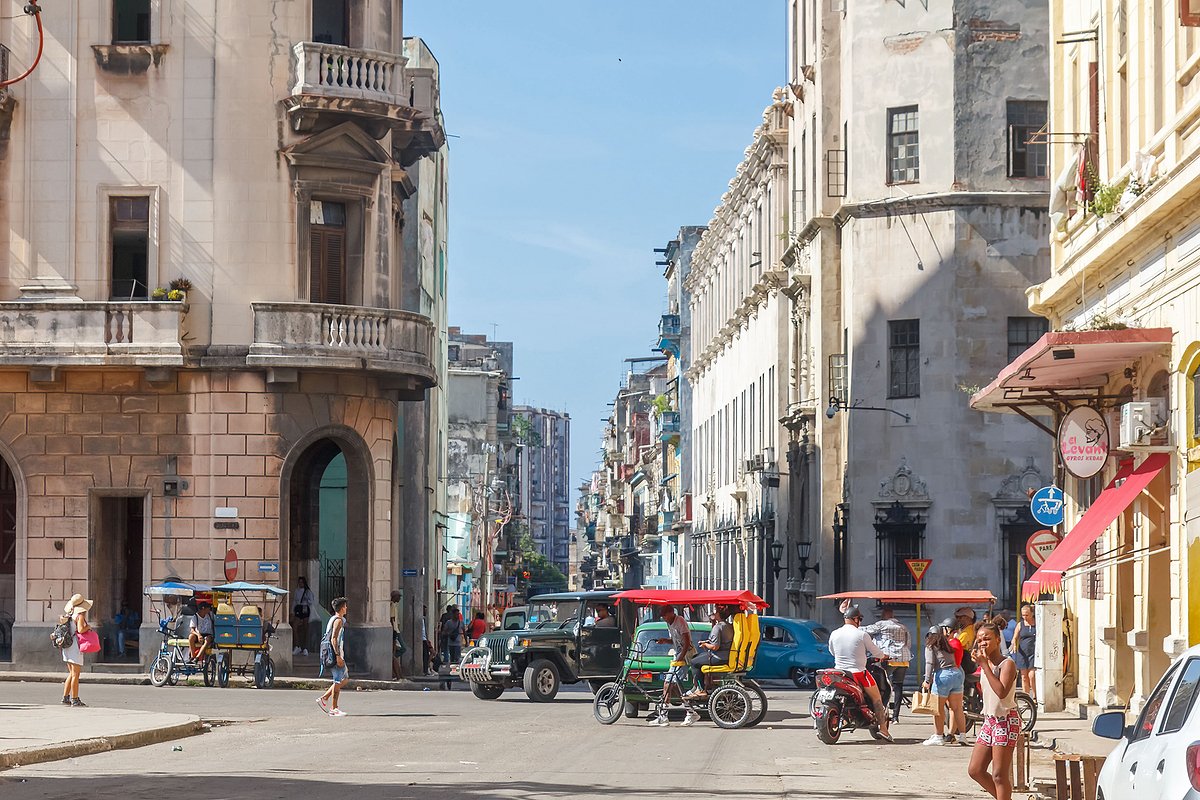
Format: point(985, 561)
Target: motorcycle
point(840, 705)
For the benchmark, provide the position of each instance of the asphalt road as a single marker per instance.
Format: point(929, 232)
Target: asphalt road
point(438, 745)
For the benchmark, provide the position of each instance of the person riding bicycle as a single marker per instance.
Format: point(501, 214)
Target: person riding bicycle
point(850, 646)
point(680, 639)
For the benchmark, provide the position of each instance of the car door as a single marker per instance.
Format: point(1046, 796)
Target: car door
point(1135, 774)
point(599, 648)
point(1162, 772)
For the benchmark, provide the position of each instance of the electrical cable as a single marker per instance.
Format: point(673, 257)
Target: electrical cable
point(31, 9)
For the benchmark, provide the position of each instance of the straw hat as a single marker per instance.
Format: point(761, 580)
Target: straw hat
point(77, 601)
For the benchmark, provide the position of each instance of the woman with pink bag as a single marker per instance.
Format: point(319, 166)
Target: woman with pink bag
point(83, 640)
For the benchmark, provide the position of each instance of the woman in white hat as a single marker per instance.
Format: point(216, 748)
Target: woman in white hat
point(76, 611)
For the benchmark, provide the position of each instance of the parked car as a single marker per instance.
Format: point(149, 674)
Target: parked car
point(792, 649)
point(1157, 757)
point(562, 648)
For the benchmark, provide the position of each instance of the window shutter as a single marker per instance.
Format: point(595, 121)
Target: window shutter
point(1189, 13)
point(335, 267)
point(316, 264)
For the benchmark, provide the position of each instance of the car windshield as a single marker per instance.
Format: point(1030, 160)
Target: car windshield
point(554, 615)
point(646, 642)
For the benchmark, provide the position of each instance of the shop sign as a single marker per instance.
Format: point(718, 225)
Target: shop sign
point(1083, 442)
point(1040, 546)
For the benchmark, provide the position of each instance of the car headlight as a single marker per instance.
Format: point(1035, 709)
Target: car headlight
point(512, 642)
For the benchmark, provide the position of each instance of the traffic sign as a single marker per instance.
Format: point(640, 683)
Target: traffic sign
point(1040, 546)
point(409, 573)
point(231, 565)
point(918, 566)
point(268, 566)
point(1047, 506)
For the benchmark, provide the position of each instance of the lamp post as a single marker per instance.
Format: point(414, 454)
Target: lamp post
point(803, 552)
point(776, 556)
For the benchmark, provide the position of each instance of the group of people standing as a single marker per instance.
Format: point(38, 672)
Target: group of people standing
point(993, 653)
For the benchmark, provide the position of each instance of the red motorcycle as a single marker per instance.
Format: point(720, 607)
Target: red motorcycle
point(840, 705)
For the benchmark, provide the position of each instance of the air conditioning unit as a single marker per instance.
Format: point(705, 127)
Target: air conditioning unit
point(748, 466)
point(1140, 420)
point(760, 463)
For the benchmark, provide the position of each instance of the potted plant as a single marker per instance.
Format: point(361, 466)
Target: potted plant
point(158, 294)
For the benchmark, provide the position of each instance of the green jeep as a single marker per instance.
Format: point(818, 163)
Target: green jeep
point(568, 647)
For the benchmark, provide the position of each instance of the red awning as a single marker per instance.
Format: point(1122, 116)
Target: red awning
point(1066, 365)
point(1108, 506)
point(932, 597)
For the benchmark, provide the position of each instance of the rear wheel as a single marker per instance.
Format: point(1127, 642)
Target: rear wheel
point(803, 678)
point(210, 670)
point(758, 704)
point(609, 704)
point(223, 671)
point(160, 670)
point(829, 725)
point(541, 681)
point(1027, 708)
point(729, 706)
point(264, 673)
point(487, 691)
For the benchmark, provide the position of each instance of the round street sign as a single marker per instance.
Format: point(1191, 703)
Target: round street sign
point(1083, 441)
point(1046, 506)
point(231, 565)
point(1040, 546)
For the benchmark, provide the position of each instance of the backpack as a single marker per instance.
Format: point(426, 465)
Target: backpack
point(62, 636)
point(328, 655)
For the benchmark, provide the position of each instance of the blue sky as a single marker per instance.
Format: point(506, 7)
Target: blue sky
point(584, 134)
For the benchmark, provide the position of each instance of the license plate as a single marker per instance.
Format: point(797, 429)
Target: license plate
point(825, 695)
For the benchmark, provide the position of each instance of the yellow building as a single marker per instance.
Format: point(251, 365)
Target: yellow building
point(1123, 302)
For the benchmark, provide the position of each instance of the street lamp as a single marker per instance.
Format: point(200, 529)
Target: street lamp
point(837, 404)
point(803, 551)
point(776, 556)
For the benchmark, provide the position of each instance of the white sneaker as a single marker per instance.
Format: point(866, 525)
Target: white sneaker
point(295, 651)
point(691, 719)
point(934, 740)
point(659, 721)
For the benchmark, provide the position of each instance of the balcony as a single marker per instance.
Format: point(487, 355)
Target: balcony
point(397, 345)
point(668, 425)
point(78, 333)
point(332, 83)
point(669, 331)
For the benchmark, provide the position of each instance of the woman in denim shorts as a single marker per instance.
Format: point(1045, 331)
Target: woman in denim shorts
point(945, 678)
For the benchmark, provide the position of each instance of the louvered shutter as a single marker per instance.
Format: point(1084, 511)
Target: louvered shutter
point(327, 265)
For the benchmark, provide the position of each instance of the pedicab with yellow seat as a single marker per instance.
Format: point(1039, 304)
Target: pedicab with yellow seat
point(734, 702)
point(243, 632)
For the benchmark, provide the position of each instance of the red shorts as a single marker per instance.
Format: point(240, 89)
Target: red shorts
point(1000, 731)
point(863, 679)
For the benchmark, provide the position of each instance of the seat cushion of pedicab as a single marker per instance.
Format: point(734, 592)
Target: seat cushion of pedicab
point(755, 631)
point(174, 642)
point(249, 626)
point(735, 650)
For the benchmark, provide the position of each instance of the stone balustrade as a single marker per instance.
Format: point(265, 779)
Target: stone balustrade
point(65, 333)
point(334, 71)
point(319, 336)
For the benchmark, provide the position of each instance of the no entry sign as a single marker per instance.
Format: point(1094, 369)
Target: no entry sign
point(231, 565)
point(1040, 546)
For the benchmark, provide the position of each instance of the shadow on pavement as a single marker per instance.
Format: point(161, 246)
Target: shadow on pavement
point(154, 787)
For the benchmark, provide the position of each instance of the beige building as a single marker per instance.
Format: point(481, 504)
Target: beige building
point(1123, 298)
point(257, 158)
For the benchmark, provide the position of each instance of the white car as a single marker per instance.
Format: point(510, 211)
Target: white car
point(1158, 757)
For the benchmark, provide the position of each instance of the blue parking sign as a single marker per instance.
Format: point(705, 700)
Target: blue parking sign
point(1046, 506)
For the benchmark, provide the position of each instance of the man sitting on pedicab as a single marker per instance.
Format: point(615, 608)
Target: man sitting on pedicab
point(200, 638)
point(713, 651)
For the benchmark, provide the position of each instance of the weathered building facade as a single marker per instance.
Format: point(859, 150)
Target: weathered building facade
point(917, 221)
point(544, 481)
point(256, 161)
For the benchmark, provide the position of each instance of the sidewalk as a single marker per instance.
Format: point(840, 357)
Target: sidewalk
point(414, 684)
point(32, 734)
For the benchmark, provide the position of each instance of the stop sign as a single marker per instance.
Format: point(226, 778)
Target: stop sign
point(1040, 546)
point(231, 565)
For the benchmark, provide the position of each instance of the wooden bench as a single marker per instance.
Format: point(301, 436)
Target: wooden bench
point(1076, 776)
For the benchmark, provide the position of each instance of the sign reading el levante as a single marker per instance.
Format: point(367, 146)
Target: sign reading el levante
point(1083, 441)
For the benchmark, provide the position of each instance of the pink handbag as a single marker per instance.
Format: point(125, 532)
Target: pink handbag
point(89, 642)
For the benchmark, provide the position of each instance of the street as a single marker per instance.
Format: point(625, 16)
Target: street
point(437, 744)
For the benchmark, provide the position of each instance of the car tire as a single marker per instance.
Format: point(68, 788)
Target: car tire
point(632, 710)
point(803, 678)
point(487, 691)
point(541, 681)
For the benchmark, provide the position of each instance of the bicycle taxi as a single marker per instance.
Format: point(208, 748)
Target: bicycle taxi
point(735, 701)
point(178, 602)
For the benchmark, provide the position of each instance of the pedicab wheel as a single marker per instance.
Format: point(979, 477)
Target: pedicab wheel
point(803, 678)
point(264, 673)
point(223, 673)
point(487, 691)
point(729, 706)
point(210, 670)
point(541, 681)
point(160, 670)
point(1027, 708)
point(758, 703)
point(828, 724)
point(608, 704)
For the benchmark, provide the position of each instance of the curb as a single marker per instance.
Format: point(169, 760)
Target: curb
point(86, 747)
point(99, 678)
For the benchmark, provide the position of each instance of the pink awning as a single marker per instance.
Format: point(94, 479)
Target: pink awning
point(1108, 506)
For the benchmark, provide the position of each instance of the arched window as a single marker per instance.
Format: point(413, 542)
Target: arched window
point(1195, 387)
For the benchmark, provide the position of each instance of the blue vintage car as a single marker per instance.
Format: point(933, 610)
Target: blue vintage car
point(792, 649)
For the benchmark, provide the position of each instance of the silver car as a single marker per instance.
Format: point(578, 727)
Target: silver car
point(1158, 757)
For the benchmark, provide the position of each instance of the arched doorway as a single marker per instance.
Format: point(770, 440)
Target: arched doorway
point(8, 558)
point(328, 502)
